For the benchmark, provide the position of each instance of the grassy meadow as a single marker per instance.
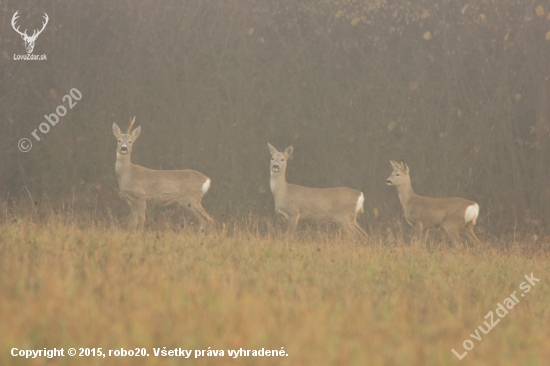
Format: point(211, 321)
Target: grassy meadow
point(325, 299)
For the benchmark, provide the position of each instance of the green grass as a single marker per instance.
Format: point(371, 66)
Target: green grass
point(327, 301)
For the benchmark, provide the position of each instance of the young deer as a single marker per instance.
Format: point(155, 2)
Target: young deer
point(424, 213)
point(339, 205)
point(160, 187)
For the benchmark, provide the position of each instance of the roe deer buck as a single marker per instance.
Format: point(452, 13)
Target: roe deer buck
point(339, 205)
point(423, 213)
point(160, 187)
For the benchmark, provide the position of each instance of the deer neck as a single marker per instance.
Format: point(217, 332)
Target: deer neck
point(405, 193)
point(123, 163)
point(278, 184)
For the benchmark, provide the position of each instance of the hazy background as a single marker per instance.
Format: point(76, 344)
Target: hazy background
point(459, 89)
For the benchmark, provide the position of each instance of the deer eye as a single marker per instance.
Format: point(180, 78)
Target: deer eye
point(272, 158)
point(119, 141)
point(282, 159)
point(130, 142)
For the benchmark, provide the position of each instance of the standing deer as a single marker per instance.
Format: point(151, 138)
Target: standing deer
point(424, 213)
point(160, 187)
point(339, 205)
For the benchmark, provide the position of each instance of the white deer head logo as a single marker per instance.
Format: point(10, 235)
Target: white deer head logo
point(29, 41)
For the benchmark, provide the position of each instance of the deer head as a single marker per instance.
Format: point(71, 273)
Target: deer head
point(125, 139)
point(278, 159)
point(400, 174)
point(29, 40)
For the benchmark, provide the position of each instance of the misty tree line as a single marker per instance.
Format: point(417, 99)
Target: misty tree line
point(457, 89)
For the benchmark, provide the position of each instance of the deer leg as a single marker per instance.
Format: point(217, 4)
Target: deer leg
point(359, 234)
point(204, 213)
point(419, 231)
point(359, 230)
point(347, 228)
point(292, 221)
point(195, 208)
point(351, 228)
point(469, 231)
point(424, 237)
point(454, 235)
point(349, 231)
point(362, 233)
point(141, 205)
point(133, 213)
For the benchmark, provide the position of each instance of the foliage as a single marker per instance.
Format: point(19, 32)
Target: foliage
point(459, 90)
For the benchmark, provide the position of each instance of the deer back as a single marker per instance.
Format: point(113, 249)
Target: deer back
point(435, 212)
point(339, 203)
point(164, 186)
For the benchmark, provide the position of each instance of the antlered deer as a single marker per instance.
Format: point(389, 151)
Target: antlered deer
point(339, 205)
point(160, 187)
point(425, 213)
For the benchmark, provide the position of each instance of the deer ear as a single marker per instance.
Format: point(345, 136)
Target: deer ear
point(116, 131)
point(272, 150)
point(288, 152)
point(135, 133)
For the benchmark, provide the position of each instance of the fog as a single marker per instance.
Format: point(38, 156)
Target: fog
point(459, 92)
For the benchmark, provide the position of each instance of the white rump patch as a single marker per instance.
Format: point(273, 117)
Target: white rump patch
point(359, 205)
point(471, 213)
point(205, 186)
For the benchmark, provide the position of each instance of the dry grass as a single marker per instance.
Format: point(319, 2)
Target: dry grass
point(326, 301)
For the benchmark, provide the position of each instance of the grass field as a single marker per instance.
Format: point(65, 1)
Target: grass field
point(327, 301)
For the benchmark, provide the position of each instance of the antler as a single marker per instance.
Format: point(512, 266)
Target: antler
point(46, 18)
point(13, 19)
point(404, 166)
point(131, 124)
point(36, 33)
